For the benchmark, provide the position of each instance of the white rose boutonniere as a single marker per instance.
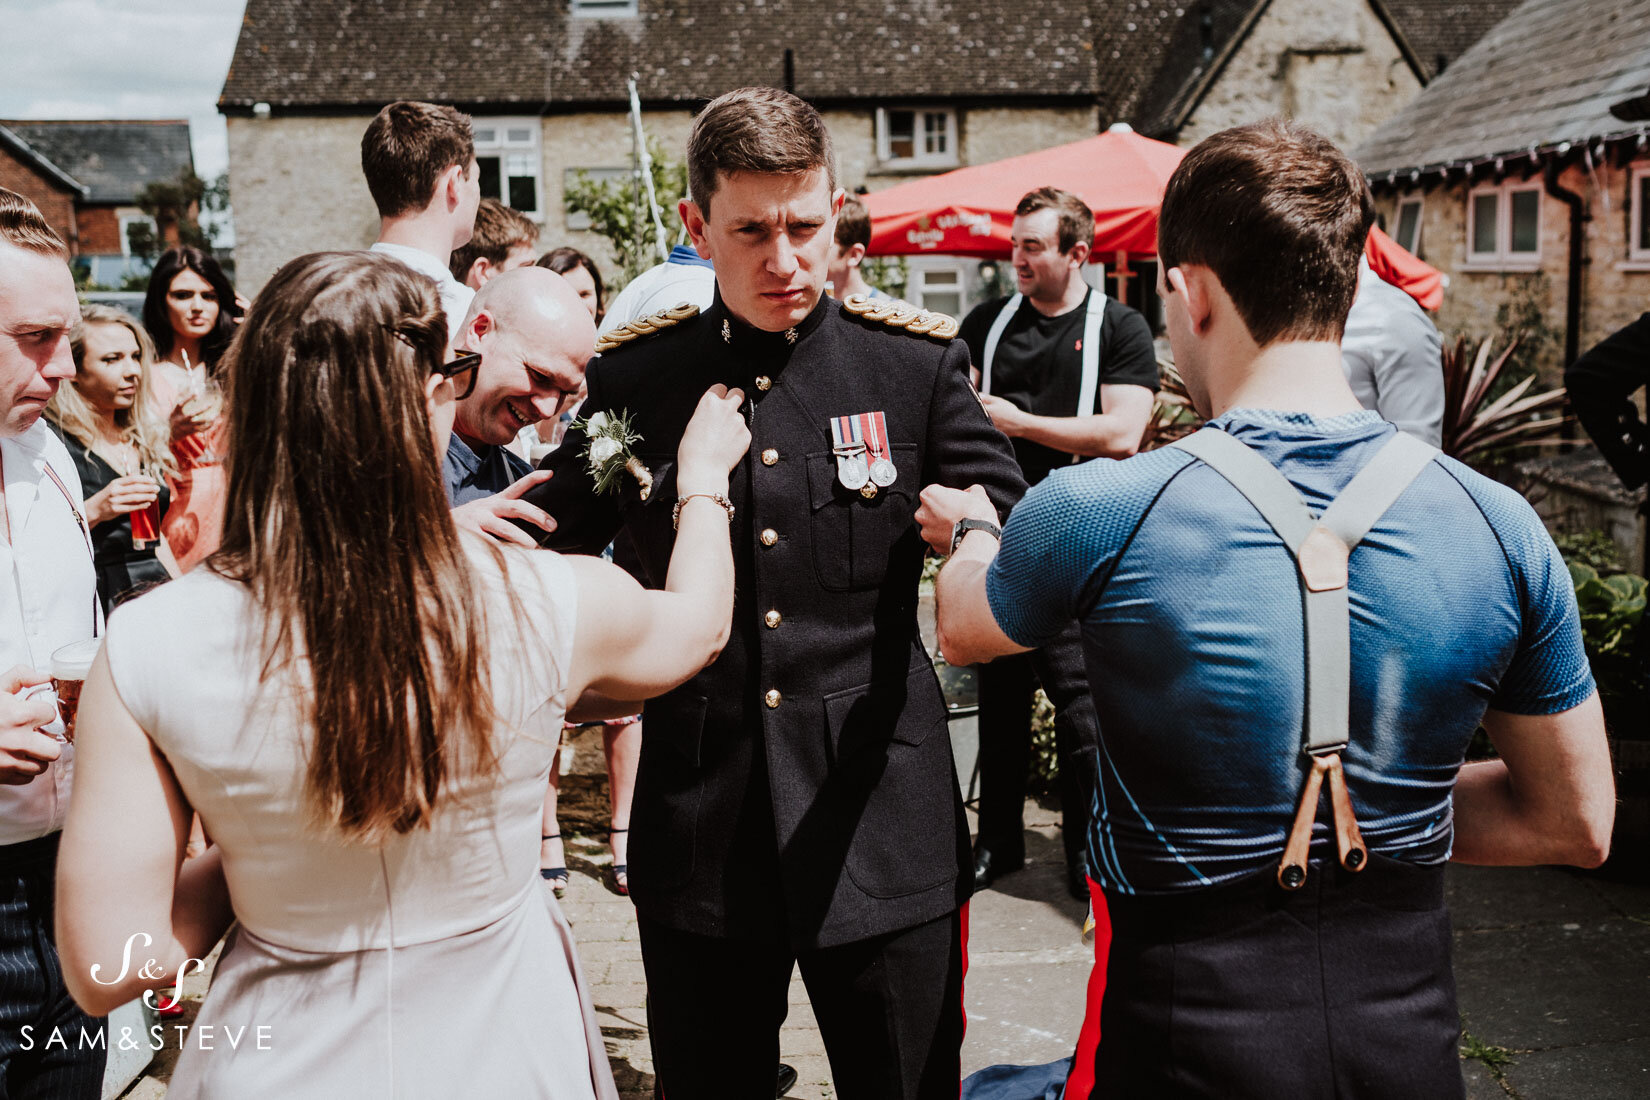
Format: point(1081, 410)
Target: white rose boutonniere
point(609, 454)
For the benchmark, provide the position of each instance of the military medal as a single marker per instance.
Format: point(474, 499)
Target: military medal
point(848, 444)
point(883, 472)
point(863, 462)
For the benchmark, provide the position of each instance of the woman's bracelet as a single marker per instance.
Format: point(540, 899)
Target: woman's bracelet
point(676, 512)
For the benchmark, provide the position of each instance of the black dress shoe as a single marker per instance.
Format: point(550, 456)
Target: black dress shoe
point(787, 1079)
point(990, 866)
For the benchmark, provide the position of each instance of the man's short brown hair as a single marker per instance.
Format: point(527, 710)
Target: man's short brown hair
point(407, 147)
point(853, 225)
point(1280, 215)
point(1076, 220)
point(499, 228)
point(756, 130)
point(21, 226)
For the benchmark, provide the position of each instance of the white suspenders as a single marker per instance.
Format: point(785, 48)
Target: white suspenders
point(1095, 315)
point(1321, 546)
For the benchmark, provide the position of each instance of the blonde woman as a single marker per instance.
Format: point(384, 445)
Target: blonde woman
point(120, 446)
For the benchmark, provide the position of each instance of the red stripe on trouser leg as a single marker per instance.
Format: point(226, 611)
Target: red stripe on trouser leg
point(962, 986)
point(1081, 1081)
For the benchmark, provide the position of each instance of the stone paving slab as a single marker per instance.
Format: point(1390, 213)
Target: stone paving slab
point(1608, 1071)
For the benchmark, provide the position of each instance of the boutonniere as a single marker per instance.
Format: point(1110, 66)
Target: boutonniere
point(608, 451)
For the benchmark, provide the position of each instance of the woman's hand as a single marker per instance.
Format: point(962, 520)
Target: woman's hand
point(714, 442)
point(121, 496)
point(188, 417)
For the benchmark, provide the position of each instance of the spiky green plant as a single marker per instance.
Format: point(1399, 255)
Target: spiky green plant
point(1476, 426)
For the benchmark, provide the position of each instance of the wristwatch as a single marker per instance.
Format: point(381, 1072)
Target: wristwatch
point(963, 526)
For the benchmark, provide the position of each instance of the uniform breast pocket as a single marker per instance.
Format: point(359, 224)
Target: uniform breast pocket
point(853, 535)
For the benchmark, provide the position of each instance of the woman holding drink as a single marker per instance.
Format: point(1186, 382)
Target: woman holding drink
point(191, 312)
point(118, 441)
point(364, 704)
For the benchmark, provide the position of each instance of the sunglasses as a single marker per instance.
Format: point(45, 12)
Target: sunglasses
point(462, 373)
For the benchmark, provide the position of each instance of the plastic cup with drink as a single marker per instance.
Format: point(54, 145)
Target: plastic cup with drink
point(70, 666)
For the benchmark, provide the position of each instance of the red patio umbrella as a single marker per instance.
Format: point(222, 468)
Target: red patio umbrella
point(1119, 174)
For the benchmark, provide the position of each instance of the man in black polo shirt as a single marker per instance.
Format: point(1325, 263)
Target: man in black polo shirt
point(1067, 374)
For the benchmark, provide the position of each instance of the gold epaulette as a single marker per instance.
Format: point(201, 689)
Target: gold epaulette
point(896, 313)
point(646, 326)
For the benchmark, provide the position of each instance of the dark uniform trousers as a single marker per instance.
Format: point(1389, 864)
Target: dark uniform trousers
point(42, 1053)
point(1005, 687)
point(796, 802)
point(1340, 989)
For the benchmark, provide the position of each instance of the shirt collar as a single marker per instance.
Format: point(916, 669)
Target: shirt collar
point(1350, 423)
point(462, 455)
point(417, 259)
point(682, 254)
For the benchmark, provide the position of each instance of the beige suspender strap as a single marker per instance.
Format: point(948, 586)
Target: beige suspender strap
point(1321, 548)
point(994, 336)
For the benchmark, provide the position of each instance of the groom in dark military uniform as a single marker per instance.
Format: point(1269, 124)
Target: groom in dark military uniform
point(796, 801)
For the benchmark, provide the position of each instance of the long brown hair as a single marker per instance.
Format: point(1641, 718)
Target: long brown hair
point(337, 520)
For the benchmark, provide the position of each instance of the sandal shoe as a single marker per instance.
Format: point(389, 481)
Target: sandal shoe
point(620, 871)
point(557, 877)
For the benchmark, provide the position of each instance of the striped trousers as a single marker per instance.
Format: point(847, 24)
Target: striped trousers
point(48, 1046)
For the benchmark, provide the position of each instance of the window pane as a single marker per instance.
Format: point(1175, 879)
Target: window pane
point(902, 134)
point(523, 195)
point(489, 178)
point(1483, 222)
point(934, 133)
point(945, 301)
point(1409, 220)
point(1526, 214)
point(1644, 212)
point(518, 136)
point(939, 278)
point(486, 136)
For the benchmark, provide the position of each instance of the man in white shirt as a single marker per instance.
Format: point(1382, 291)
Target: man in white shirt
point(1393, 357)
point(48, 598)
point(420, 164)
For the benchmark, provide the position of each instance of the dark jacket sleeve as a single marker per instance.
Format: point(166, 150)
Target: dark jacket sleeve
point(1601, 385)
point(964, 447)
point(585, 521)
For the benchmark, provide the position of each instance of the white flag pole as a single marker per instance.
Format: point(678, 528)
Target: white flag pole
point(647, 172)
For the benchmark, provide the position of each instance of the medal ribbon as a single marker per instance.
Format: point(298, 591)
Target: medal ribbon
point(847, 434)
point(873, 428)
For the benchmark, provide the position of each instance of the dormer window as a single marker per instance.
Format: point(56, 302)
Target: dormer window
point(604, 9)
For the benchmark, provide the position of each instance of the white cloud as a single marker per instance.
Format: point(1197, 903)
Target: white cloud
point(122, 59)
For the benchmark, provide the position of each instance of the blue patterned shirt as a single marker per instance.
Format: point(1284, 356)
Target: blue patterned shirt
point(1191, 620)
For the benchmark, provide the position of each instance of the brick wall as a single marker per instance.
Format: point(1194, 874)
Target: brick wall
point(298, 187)
point(99, 231)
point(1615, 289)
point(56, 205)
point(1330, 64)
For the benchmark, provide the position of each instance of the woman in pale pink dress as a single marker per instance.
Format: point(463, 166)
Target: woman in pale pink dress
point(191, 312)
point(364, 705)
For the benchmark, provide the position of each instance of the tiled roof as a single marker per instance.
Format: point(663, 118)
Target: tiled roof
point(115, 160)
point(28, 154)
point(1439, 31)
point(1143, 61)
point(465, 52)
point(1545, 75)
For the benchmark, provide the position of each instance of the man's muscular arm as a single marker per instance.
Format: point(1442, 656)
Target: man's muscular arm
point(1115, 433)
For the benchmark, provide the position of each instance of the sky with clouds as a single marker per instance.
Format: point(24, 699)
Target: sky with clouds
point(71, 59)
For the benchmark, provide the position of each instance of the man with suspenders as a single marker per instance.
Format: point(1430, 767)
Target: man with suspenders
point(1067, 374)
point(1294, 621)
point(48, 599)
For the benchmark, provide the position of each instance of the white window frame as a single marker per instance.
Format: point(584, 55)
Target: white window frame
point(1503, 258)
point(1413, 247)
point(919, 268)
point(1635, 254)
point(603, 9)
point(128, 220)
point(919, 159)
point(503, 147)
